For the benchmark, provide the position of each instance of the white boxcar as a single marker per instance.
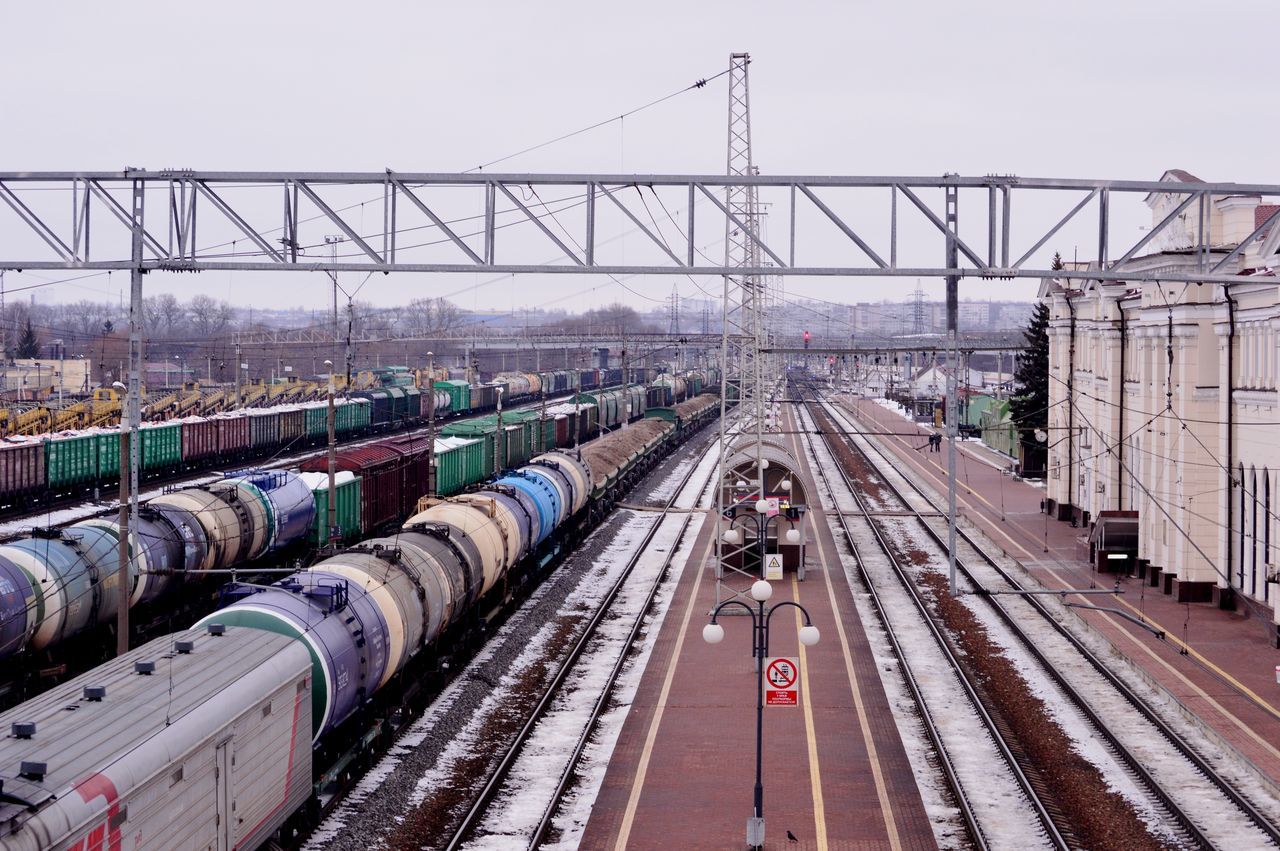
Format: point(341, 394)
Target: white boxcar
point(212, 750)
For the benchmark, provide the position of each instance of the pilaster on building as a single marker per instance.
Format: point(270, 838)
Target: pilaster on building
point(1163, 401)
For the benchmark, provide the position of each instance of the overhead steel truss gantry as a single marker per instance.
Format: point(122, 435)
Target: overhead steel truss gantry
point(184, 220)
point(158, 220)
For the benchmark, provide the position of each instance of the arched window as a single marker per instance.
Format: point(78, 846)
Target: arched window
point(1243, 503)
point(1253, 527)
point(1266, 530)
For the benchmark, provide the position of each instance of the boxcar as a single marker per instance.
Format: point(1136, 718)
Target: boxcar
point(348, 486)
point(233, 435)
point(264, 430)
point(460, 462)
point(22, 468)
point(199, 441)
point(71, 461)
point(161, 447)
point(293, 425)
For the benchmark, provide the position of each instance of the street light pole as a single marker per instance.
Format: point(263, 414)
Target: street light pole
point(333, 463)
point(713, 633)
point(431, 424)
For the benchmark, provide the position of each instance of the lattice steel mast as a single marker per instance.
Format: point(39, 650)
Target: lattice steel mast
point(741, 341)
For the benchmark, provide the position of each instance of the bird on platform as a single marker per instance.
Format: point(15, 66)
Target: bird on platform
point(791, 837)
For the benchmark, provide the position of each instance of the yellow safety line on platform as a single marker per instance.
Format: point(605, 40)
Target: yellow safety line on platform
point(637, 785)
point(806, 699)
point(882, 792)
point(1169, 636)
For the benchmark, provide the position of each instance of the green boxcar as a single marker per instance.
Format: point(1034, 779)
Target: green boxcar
point(108, 447)
point(316, 420)
point(459, 394)
point(460, 462)
point(480, 430)
point(348, 514)
point(72, 460)
point(515, 445)
point(352, 416)
point(161, 446)
point(531, 419)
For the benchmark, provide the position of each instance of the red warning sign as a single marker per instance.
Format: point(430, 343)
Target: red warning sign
point(782, 682)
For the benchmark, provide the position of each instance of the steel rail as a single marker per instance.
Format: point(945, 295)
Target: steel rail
point(498, 776)
point(935, 736)
point(606, 694)
point(1140, 770)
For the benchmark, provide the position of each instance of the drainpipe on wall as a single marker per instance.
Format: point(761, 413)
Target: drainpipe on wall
point(1121, 436)
point(1230, 489)
point(1071, 411)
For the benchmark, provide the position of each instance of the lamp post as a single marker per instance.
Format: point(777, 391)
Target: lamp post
point(334, 532)
point(713, 633)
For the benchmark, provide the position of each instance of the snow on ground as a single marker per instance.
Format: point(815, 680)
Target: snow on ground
point(997, 801)
point(1002, 808)
point(1221, 821)
point(515, 813)
point(583, 600)
point(1072, 721)
point(895, 407)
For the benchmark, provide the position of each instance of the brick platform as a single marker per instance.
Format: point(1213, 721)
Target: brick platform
point(1219, 664)
point(835, 773)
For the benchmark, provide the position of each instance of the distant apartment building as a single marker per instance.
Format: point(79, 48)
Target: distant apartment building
point(897, 318)
point(1163, 401)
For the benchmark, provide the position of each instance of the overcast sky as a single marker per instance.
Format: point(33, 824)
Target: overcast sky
point(1083, 89)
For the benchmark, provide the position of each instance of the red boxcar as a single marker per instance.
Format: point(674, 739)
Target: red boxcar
point(417, 467)
point(564, 434)
point(199, 440)
point(21, 469)
point(386, 496)
point(233, 436)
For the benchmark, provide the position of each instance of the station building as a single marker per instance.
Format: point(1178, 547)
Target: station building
point(1163, 406)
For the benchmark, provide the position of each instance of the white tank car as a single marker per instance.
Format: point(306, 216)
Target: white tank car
point(211, 749)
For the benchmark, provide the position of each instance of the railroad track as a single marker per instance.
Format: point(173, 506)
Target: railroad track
point(985, 575)
point(998, 734)
point(669, 513)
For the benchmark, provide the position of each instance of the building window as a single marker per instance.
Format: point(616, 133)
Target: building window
point(1240, 563)
point(1266, 516)
point(1266, 532)
point(1253, 538)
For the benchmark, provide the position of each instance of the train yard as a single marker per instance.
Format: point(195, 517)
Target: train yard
point(546, 692)
point(59, 588)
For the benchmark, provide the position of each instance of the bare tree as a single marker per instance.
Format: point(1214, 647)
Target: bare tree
point(210, 316)
point(428, 316)
point(162, 315)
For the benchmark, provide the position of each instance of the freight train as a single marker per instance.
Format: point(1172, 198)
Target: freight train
point(233, 732)
point(59, 583)
point(41, 470)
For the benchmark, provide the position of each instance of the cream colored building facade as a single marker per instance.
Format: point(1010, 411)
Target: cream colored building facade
point(1163, 400)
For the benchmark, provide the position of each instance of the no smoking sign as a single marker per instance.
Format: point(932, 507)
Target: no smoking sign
point(782, 681)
